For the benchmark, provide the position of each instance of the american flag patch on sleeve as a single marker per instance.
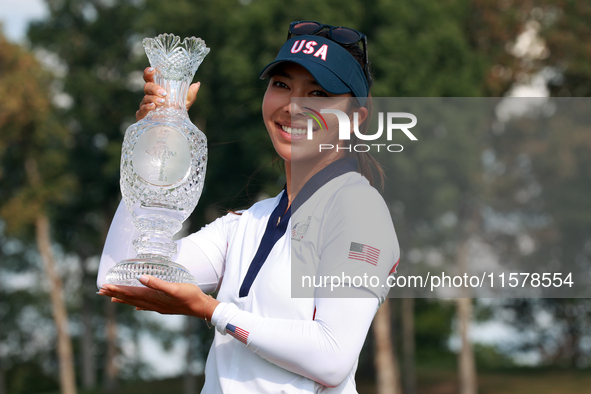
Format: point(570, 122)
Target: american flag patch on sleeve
point(237, 332)
point(363, 252)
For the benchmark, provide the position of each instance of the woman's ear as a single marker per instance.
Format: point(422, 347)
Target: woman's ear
point(361, 117)
point(362, 111)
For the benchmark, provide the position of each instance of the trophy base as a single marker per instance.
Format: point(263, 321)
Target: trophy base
point(126, 272)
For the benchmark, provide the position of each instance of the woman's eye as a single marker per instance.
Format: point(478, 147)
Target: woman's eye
point(279, 84)
point(319, 93)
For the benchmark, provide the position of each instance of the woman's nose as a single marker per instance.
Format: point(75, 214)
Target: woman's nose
point(293, 107)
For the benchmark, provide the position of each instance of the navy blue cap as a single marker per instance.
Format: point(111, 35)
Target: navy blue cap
point(333, 67)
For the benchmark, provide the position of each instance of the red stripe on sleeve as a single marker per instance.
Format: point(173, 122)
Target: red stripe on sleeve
point(393, 270)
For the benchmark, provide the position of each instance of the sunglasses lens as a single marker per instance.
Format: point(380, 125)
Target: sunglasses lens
point(345, 35)
point(304, 28)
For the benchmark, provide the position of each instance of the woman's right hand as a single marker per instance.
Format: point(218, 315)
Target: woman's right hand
point(154, 95)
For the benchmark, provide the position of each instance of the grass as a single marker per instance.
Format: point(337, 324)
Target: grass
point(429, 381)
point(510, 381)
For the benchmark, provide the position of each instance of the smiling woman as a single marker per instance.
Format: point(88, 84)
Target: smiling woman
point(327, 221)
point(286, 122)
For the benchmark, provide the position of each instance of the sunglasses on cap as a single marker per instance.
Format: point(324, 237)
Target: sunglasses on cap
point(339, 34)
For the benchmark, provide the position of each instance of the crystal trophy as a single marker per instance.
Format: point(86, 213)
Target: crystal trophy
point(163, 162)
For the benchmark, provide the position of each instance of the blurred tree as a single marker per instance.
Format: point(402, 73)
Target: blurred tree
point(386, 361)
point(544, 163)
point(92, 47)
point(33, 148)
point(538, 174)
point(438, 176)
point(564, 27)
point(26, 357)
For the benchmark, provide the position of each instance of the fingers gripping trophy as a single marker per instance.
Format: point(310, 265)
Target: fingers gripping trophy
point(163, 162)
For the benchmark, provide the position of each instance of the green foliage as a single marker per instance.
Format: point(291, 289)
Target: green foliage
point(546, 173)
point(32, 142)
point(421, 49)
point(565, 28)
point(33, 180)
point(92, 41)
point(432, 330)
point(29, 377)
point(489, 357)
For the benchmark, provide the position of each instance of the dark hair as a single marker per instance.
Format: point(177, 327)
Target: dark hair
point(367, 164)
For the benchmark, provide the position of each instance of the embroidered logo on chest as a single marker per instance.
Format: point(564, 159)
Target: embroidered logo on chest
point(299, 229)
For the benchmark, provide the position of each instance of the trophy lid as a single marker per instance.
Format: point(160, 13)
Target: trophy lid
point(176, 60)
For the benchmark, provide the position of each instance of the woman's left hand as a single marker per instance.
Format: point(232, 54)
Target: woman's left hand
point(163, 297)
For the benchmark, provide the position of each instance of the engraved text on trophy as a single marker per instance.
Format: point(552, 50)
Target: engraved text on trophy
point(159, 156)
point(162, 156)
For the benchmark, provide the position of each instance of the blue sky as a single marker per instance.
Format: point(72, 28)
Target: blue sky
point(15, 15)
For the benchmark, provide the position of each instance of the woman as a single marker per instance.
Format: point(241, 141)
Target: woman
point(328, 222)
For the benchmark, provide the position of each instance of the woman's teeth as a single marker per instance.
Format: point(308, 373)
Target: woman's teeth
point(293, 130)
